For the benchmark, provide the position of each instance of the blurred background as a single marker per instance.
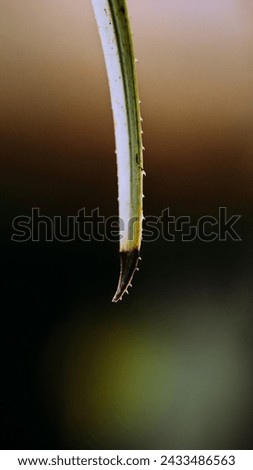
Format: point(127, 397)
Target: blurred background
point(171, 365)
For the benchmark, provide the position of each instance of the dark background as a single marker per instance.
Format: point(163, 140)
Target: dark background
point(171, 365)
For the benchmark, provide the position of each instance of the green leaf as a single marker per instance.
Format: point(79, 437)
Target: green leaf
point(114, 29)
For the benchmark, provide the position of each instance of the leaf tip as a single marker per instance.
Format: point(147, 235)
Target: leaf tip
point(128, 266)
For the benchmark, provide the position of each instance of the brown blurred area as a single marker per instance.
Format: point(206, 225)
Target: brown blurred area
point(170, 366)
point(195, 77)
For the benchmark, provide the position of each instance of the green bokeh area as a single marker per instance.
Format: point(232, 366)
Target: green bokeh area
point(154, 382)
point(168, 367)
